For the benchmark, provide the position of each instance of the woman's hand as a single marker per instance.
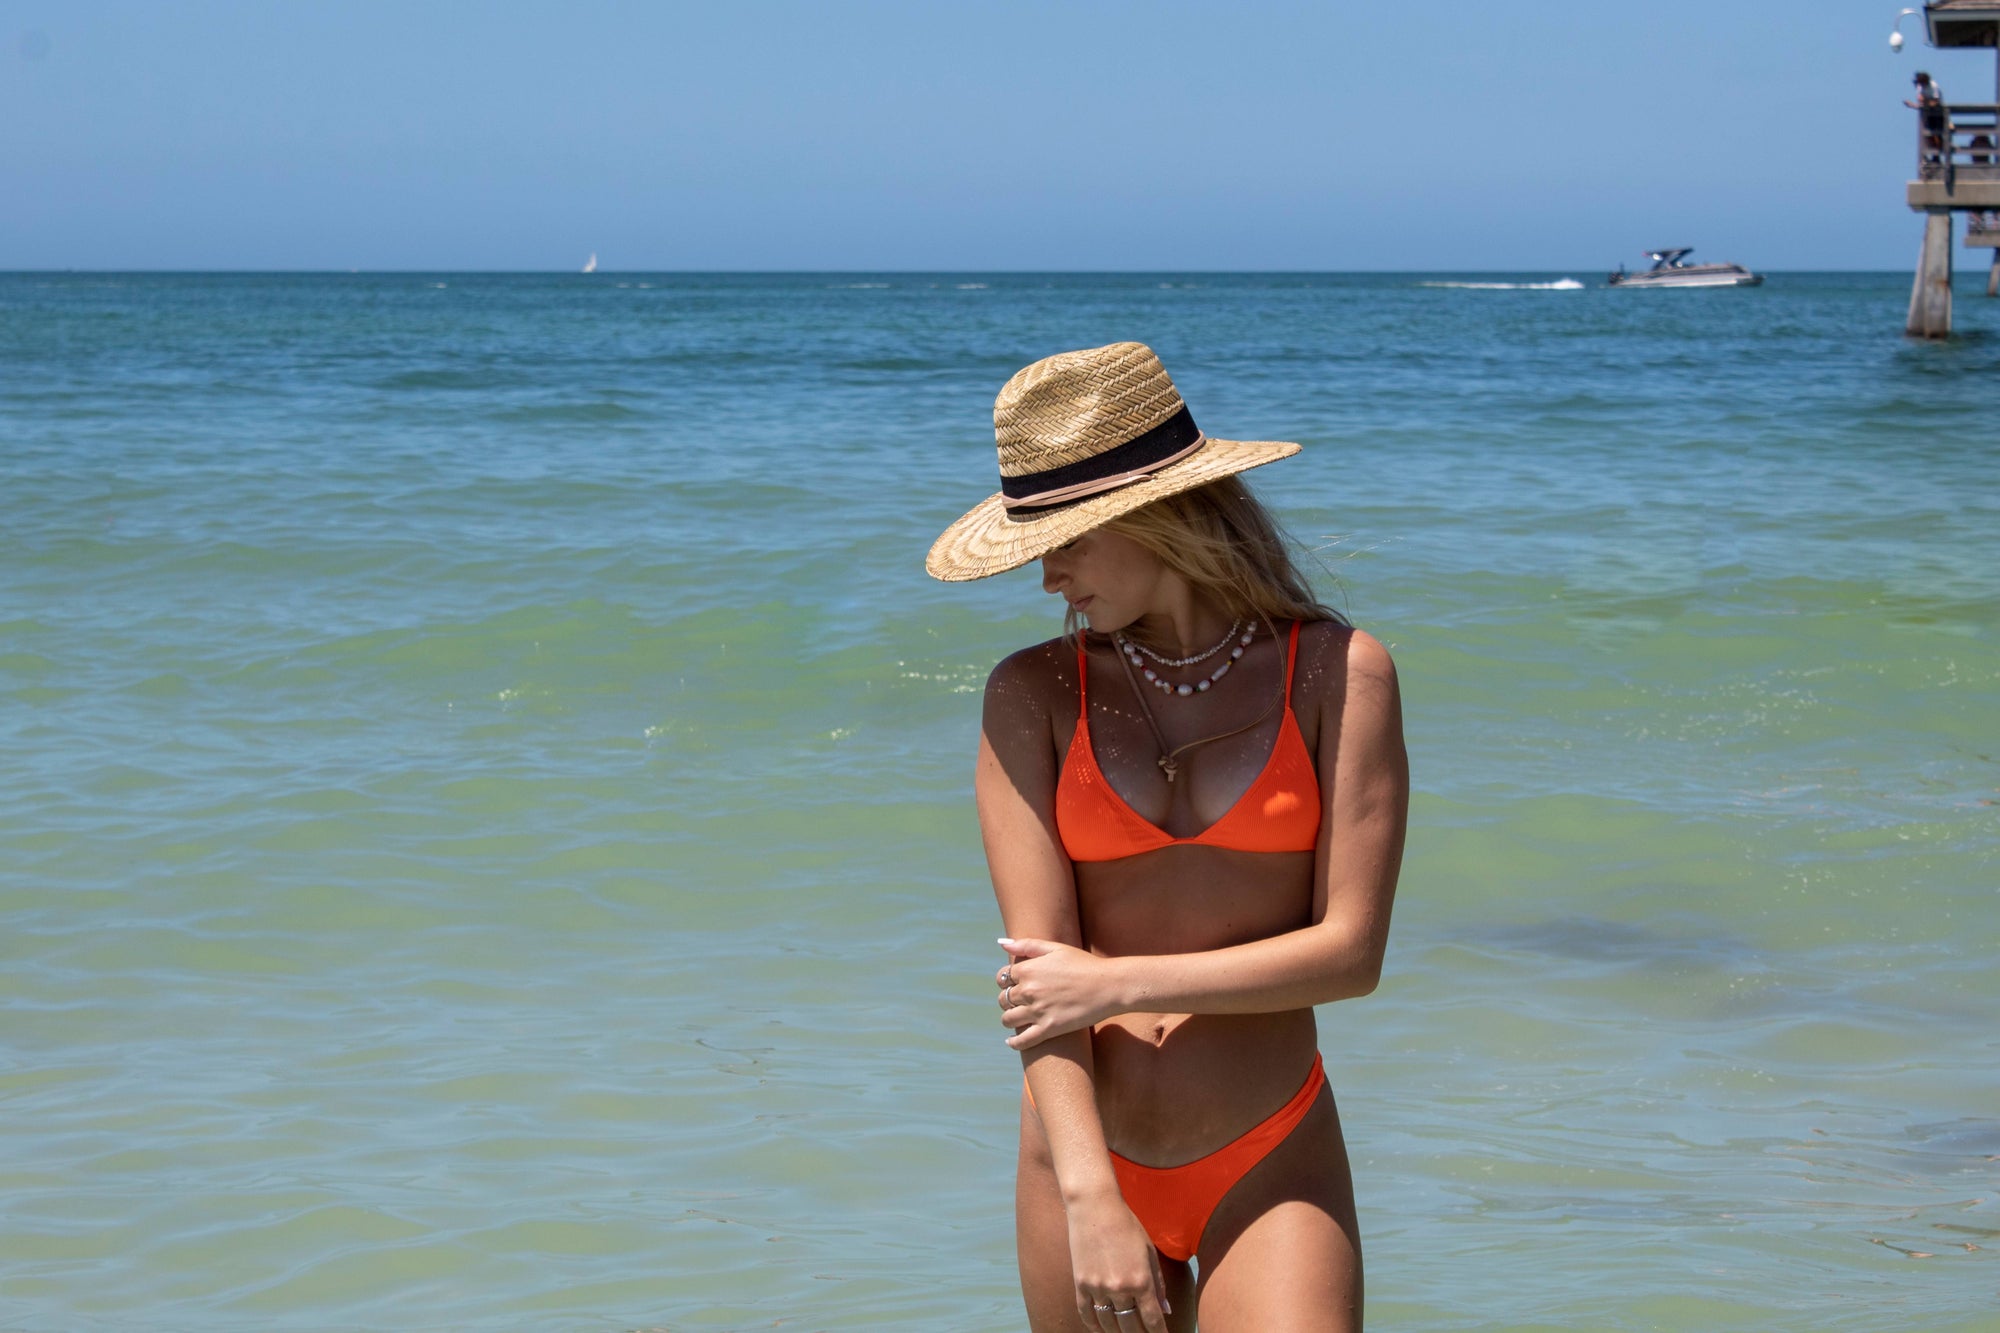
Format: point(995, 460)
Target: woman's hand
point(1049, 989)
point(1117, 1271)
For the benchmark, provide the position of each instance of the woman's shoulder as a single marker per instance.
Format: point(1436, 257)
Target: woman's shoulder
point(1032, 679)
point(1336, 659)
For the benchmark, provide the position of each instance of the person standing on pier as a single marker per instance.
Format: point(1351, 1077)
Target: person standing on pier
point(1930, 103)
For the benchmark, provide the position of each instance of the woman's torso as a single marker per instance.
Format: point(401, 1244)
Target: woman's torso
point(1173, 1087)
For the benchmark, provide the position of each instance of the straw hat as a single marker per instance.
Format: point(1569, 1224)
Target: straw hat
point(1084, 437)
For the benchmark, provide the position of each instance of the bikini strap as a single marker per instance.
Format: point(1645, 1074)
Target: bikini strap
point(1082, 682)
point(1291, 657)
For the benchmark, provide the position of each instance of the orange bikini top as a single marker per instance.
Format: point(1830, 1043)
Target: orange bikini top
point(1279, 813)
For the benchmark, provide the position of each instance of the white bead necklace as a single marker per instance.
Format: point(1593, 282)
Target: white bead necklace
point(1220, 644)
point(1183, 690)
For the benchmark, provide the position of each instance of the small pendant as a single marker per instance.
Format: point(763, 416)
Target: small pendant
point(1169, 767)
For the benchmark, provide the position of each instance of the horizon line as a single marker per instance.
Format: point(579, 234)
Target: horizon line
point(904, 272)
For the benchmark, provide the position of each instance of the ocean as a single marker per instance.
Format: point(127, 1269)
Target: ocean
point(485, 823)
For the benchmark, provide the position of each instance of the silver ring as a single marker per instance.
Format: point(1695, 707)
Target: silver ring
point(1101, 1309)
point(1009, 996)
point(1133, 1310)
point(1006, 976)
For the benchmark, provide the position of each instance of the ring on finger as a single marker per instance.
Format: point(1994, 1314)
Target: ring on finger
point(1006, 976)
point(1008, 997)
point(1102, 1309)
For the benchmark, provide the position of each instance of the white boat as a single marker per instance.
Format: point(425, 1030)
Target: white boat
point(1670, 270)
point(590, 264)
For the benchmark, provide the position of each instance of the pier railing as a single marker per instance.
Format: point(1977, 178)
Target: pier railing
point(1958, 142)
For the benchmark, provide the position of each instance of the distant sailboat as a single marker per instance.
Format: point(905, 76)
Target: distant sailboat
point(590, 264)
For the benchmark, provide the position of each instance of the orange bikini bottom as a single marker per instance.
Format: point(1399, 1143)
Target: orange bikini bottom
point(1174, 1203)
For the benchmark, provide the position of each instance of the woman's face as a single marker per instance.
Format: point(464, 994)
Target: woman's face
point(1111, 580)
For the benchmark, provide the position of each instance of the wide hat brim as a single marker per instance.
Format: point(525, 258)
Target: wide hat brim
point(985, 541)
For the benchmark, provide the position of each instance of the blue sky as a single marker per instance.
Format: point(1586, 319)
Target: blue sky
point(956, 134)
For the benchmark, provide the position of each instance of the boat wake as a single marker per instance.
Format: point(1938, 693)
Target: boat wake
point(1559, 285)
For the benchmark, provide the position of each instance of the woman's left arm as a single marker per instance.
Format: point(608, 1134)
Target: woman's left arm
point(1364, 781)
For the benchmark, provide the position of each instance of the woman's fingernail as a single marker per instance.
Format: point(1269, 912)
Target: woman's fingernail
point(1004, 942)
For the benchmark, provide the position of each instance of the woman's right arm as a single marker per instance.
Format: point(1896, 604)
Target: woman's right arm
point(1111, 1257)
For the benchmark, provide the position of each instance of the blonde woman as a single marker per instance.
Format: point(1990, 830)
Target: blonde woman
point(1193, 815)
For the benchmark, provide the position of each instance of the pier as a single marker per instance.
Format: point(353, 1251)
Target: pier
point(1958, 168)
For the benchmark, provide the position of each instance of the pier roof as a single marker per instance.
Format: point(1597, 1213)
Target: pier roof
point(1963, 22)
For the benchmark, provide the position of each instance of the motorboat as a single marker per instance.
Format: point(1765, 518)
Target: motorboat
point(1671, 269)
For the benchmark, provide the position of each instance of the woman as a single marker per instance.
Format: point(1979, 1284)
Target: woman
point(1193, 814)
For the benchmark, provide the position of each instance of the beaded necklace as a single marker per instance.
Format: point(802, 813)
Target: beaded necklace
point(1169, 760)
point(1133, 650)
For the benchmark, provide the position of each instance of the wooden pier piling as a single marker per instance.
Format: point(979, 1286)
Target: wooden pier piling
point(1982, 232)
point(1930, 295)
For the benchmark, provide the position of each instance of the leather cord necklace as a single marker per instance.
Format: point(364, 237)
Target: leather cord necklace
point(1169, 759)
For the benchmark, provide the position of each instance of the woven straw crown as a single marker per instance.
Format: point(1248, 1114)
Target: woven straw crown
point(1076, 405)
point(1082, 438)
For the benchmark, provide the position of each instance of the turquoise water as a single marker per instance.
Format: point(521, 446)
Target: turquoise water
point(485, 837)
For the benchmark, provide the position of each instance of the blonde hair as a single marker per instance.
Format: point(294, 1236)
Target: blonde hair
point(1223, 541)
